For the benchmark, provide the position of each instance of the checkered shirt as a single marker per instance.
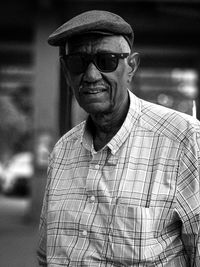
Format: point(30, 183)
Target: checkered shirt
point(136, 202)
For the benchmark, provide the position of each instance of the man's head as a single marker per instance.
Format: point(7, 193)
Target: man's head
point(96, 54)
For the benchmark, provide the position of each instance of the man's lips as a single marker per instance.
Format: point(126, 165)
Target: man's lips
point(93, 90)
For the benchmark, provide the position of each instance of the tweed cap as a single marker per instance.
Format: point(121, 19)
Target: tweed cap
point(97, 21)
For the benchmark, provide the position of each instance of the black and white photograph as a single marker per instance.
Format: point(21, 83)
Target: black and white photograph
point(100, 133)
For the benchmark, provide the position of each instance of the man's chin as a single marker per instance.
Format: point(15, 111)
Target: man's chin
point(96, 108)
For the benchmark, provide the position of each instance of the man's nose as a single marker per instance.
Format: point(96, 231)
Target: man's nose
point(92, 74)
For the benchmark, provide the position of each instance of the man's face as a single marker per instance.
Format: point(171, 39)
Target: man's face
point(97, 91)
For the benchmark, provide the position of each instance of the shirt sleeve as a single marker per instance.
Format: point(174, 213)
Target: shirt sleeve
point(42, 239)
point(188, 198)
point(41, 252)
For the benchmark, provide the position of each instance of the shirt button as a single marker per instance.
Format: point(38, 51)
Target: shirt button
point(92, 198)
point(96, 167)
point(84, 232)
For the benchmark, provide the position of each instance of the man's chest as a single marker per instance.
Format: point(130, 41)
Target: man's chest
point(133, 176)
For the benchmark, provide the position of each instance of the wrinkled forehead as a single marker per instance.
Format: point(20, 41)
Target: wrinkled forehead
point(111, 43)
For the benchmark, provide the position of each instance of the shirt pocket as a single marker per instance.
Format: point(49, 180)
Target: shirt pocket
point(131, 235)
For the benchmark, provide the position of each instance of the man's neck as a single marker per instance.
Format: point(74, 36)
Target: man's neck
point(105, 126)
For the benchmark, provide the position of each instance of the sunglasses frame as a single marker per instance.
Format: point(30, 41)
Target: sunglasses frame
point(88, 58)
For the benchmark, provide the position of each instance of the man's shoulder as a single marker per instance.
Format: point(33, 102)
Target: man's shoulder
point(71, 136)
point(169, 122)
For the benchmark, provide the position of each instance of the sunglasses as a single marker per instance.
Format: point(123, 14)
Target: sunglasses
point(78, 63)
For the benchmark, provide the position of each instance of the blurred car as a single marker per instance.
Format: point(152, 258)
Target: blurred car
point(17, 174)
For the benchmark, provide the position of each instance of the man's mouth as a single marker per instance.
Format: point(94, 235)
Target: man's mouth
point(93, 90)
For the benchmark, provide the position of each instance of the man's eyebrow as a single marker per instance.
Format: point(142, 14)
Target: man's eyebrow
point(110, 50)
point(105, 51)
point(96, 52)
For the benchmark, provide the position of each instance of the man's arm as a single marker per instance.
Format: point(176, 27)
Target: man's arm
point(188, 199)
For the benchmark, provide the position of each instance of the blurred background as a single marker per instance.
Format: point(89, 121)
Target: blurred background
point(36, 107)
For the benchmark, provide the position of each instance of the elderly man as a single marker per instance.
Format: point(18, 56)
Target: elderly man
point(123, 186)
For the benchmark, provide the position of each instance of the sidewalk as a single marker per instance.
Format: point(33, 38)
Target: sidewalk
point(18, 237)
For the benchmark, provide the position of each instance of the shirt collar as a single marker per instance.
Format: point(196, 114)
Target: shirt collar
point(116, 142)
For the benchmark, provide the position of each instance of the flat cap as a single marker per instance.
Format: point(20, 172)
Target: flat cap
point(98, 21)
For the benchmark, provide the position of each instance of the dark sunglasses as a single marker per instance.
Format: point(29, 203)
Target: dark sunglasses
point(77, 63)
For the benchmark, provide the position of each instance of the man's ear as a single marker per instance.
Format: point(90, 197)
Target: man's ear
point(65, 70)
point(133, 61)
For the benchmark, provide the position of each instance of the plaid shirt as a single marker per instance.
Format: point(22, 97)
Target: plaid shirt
point(136, 202)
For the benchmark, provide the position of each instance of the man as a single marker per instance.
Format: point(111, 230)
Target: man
point(123, 186)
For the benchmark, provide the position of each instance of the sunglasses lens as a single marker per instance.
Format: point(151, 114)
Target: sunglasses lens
point(75, 63)
point(78, 63)
point(106, 62)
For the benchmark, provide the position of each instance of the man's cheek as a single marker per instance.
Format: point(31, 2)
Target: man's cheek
point(113, 92)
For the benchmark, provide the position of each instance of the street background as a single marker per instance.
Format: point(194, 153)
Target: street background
point(18, 234)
